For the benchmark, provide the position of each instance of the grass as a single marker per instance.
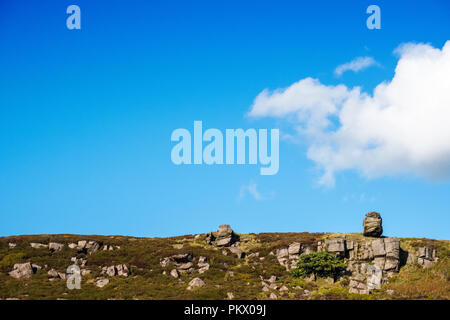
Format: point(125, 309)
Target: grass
point(142, 256)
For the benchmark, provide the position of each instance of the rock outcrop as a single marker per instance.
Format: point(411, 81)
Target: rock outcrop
point(225, 236)
point(288, 257)
point(38, 245)
point(88, 247)
point(373, 225)
point(55, 246)
point(23, 270)
point(117, 270)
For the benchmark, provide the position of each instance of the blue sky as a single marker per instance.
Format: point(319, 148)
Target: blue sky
point(86, 115)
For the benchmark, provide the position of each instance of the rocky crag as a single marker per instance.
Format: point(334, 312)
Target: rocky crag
point(223, 265)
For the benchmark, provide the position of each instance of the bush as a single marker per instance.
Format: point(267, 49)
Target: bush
point(10, 259)
point(320, 264)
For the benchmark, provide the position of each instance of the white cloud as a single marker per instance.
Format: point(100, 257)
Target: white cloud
point(251, 189)
point(355, 65)
point(402, 128)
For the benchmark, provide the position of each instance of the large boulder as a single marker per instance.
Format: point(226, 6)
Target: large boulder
point(55, 246)
point(225, 236)
point(373, 225)
point(336, 246)
point(195, 283)
point(426, 257)
point(22, 270)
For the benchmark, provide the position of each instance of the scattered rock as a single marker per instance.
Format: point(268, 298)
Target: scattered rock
point(55, 274)
point(54, 246)
point(284, 289)
point(89, 247)
point(210, 238)
point(273, 286)
point(373, 225)
point(22, 270)
point(72, 245)
point(238, 252)
point(174, 273)
point(202, 265)
point(101, 283)
point(195, 283)
point(117, 270)
point(38, 245)
point(12, 245)
point(273, 296)
point(426, 257)
point(230, 295)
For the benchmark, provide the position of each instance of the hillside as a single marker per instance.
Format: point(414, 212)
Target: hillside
point(227, 265)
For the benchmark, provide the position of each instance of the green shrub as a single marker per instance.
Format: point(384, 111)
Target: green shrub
point(10, 259)
point(320, 264)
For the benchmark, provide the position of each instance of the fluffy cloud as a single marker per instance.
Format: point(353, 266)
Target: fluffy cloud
point(402, 128)
point(251, 189)
point(355, 65)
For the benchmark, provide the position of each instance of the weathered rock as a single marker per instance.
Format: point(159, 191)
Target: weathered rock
point(117, 270)
point(90, 247)
point(230, 295)
point(72, 245)
point(336, 246)
point(38, 245)
point(238, 252)
point(93, 246)
point(195, 283)
point(55, 246)
point(174, 273)
point(102, 282)
point(373, 225)
point(225, 236)
point(210, 238)
point(185, 266)
point(273, 296)
point(202, 264)
point(53, 273)
point(273, 286)
point(22, 270)
point(283, 257)
point(378, 248)
point(122, 270)
point(111, 271)
point(426, 257)
point(81, 244)
point(295, 248)
point(12, 245)
point(165, 262)
point(426, 253)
